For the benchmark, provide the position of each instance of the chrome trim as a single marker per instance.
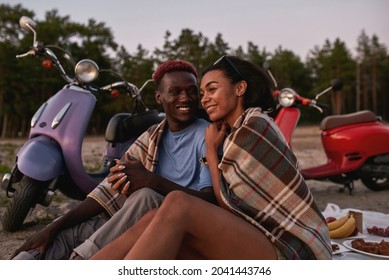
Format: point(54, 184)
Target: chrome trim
point(86, 71)
point(58, 118)
point(5, 181)
point(37, 114)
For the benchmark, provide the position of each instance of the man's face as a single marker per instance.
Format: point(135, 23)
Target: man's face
point(178, 93)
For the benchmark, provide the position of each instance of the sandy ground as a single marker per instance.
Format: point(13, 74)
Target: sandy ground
point(306, 145)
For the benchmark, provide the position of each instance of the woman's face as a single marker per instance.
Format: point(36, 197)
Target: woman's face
point(221, 99)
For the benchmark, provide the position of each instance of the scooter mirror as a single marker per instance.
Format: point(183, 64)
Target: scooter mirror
point(266, 65)
point(26, 23)
point(336, 84)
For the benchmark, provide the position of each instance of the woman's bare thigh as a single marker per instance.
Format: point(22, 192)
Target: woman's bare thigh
point(216, 233)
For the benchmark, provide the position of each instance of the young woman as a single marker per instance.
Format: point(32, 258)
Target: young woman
point(267, 211)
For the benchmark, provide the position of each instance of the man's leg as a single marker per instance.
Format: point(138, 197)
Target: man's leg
point(136, 205)
point(64, 241)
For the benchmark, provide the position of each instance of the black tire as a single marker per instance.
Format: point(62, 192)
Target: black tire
point(25, 197)
point(376, 184)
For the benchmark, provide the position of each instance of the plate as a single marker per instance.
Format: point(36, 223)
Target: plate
point(340, 250)
point(358, 235)
point(347, 244)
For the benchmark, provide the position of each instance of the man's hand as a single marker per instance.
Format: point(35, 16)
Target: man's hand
point(130, 176)
point(40, 241)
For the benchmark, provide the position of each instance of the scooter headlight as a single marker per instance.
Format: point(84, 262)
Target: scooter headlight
point(86, 71)
point(287, 97)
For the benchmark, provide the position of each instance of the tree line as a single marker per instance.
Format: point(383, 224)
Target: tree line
point(24, 84)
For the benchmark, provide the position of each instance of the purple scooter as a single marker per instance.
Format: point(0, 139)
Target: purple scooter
point(51, 158)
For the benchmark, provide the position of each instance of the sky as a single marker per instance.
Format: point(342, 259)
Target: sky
point(296, 25)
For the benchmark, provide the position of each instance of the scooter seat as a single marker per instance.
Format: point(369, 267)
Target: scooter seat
point(124, 126)
point(340, 120)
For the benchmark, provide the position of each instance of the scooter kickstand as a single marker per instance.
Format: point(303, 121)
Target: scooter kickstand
point(349, 186)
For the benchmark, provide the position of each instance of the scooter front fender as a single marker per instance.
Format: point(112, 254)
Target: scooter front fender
point(287, 119)
point(40, 159)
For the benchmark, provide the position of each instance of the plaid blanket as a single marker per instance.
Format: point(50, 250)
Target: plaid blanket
point(262, 184)
point(144, 149)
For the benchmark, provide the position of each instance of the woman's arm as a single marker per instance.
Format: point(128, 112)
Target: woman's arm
point(214, 137)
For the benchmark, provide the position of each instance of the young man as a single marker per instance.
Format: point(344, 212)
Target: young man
point(163, 159)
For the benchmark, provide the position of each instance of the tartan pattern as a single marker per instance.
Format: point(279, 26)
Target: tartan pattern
point(263, 184)
point(144, 149)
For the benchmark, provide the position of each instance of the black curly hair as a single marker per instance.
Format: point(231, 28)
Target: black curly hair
point(259, 86)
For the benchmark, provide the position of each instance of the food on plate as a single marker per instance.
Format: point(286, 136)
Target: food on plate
point(335, 247)
point(378, 248)
point(380, 231)
point(362, 245)
point(383, 248)
point(342, 227)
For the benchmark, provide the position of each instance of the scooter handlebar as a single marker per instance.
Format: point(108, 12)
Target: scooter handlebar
point(287, 97)
point(128, 87)
point(318, 106)
point(323, 105)
point(45, 52)
point(30, 52)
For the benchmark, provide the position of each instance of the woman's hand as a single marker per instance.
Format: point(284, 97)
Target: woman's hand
point(215, 134)
point(117, 178)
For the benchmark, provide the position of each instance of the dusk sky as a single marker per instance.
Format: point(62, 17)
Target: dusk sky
point(296, 25)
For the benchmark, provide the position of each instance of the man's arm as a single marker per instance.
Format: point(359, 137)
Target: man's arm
point(129, 176)
point(87, 209)
point(42, 239)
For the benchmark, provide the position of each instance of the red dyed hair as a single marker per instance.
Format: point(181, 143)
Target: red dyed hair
point(171, 66)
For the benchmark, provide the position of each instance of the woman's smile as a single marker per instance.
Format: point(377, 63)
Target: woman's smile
point(210, 108)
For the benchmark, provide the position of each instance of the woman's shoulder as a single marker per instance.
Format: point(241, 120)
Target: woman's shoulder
point(255, 117)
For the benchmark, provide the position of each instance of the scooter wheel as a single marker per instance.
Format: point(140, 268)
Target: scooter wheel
point(24, 198)
point(375, 183)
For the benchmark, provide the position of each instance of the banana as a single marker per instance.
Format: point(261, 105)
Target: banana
point(338, 223)
point(344, 230)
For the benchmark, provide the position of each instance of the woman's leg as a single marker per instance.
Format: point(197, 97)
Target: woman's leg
point(118, 248)
point(209, 230)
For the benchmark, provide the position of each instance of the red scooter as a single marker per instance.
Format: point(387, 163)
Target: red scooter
point(356, 144)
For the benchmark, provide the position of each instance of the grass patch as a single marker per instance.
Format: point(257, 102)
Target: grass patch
point(10, 150)
point(4, 169)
